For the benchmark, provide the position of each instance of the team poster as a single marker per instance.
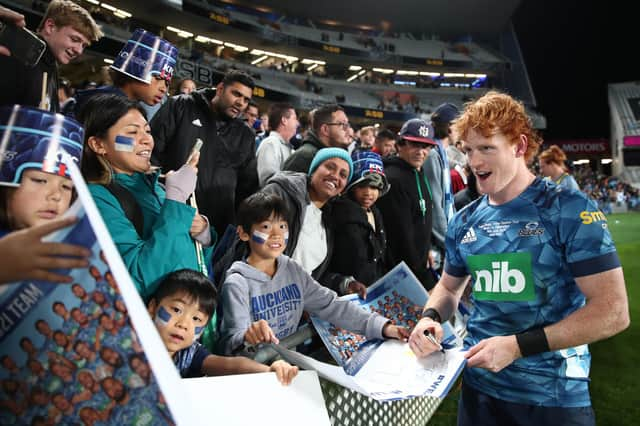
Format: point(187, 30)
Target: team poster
point(70, 353)
point(398, 296)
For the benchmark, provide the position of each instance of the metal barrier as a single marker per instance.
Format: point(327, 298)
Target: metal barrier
point(350, 408)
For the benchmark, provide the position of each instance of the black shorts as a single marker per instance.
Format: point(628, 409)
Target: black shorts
point(478, 409)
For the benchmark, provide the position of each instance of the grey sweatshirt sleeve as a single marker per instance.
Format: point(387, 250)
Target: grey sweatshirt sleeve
point(236, 317)
point(433, 172)
point(324, 303)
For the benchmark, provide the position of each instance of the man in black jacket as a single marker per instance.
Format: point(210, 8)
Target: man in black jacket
point(407, 207)
point(226, 171)
point(67, 29)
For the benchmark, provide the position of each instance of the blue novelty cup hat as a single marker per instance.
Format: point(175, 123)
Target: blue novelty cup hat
point(145, 56)
point(35, 139)
point(368, 167)
point(326, 153)
point(417, 130)
point(445, 113)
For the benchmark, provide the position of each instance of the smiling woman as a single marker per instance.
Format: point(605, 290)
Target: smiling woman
point(118, 168)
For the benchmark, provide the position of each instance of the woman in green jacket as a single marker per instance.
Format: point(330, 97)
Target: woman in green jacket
point(118, 145)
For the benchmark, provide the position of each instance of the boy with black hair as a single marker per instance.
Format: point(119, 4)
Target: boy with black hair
point(265, 294)
point(181, 308)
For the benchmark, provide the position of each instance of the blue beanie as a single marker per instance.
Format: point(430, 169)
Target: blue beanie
point(325, 154)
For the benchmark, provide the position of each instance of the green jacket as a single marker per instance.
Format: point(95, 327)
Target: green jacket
point(166, 245)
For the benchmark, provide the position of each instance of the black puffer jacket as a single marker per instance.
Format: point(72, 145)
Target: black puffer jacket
point(358, 250)
point(226, 172)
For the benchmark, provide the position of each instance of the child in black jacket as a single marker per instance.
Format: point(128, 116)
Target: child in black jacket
point(360, 248)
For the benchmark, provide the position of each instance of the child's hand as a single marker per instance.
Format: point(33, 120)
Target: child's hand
point(285, 372)
point(260, 332)
point(391, 331)
point(23, 254)
point(356, 286)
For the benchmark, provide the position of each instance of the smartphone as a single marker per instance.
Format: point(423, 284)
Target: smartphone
point(196, 148)
point(24, 45)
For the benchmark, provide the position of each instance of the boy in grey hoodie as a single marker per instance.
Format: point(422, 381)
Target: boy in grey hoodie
point(264, 295)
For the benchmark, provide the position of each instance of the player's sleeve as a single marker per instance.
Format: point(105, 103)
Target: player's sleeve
point(584, 234)
point(454, 264)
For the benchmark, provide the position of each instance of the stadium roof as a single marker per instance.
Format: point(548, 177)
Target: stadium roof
point(446, 17)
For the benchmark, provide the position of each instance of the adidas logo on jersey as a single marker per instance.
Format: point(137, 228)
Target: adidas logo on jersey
point(469, 237)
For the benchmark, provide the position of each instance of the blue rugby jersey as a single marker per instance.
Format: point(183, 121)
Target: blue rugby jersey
point(523, 257)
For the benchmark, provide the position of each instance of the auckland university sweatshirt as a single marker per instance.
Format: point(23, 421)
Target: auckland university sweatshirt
point(249, 295)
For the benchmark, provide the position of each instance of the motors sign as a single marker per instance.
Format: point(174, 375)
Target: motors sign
point(576, 147)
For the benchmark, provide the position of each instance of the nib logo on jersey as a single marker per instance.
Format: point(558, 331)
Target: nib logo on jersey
point(502, 277)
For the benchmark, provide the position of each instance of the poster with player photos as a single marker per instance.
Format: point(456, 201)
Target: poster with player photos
point(84, 353)
point(398, 296)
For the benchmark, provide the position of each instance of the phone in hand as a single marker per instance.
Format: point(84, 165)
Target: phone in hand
point(24, 45)
point(196, 148)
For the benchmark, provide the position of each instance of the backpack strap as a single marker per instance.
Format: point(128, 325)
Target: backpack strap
point(129, 204)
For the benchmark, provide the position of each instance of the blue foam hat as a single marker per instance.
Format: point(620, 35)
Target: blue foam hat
point(368, 167)
point(31, 138)
point(145, 56)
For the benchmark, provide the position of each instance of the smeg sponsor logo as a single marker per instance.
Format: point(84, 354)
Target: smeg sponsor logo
point(591, 217)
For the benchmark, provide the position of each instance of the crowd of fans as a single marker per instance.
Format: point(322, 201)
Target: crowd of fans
point(285, 220)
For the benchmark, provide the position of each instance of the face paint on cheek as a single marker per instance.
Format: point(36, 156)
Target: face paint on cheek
point(286, 238)
point(162, 317)
point(124, 143)
point(259, 237)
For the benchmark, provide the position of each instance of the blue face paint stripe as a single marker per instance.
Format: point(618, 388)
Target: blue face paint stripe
point(163, 314)
point(124, 143)
point(199, 330)
point(259, 237)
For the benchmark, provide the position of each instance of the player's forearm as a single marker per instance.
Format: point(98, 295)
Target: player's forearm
point(222, 365)
point(445, 295)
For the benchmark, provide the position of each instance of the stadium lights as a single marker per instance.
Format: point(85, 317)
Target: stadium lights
point(312, 61)
point(181, 33)
point(475, 75)
point(108, 61)
point(236, 47)
point(108, 7)
point(355, 67)
point(122, 14)
point(453, 74)
point(260, 59)
point(94, 2)
point(606, 161)
point(582, 161)
point(356, 75)
point(258, 52)
point(430, 74)
point(204, 39)
point(384, 70)
point(405, 72)
point(312, 67)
